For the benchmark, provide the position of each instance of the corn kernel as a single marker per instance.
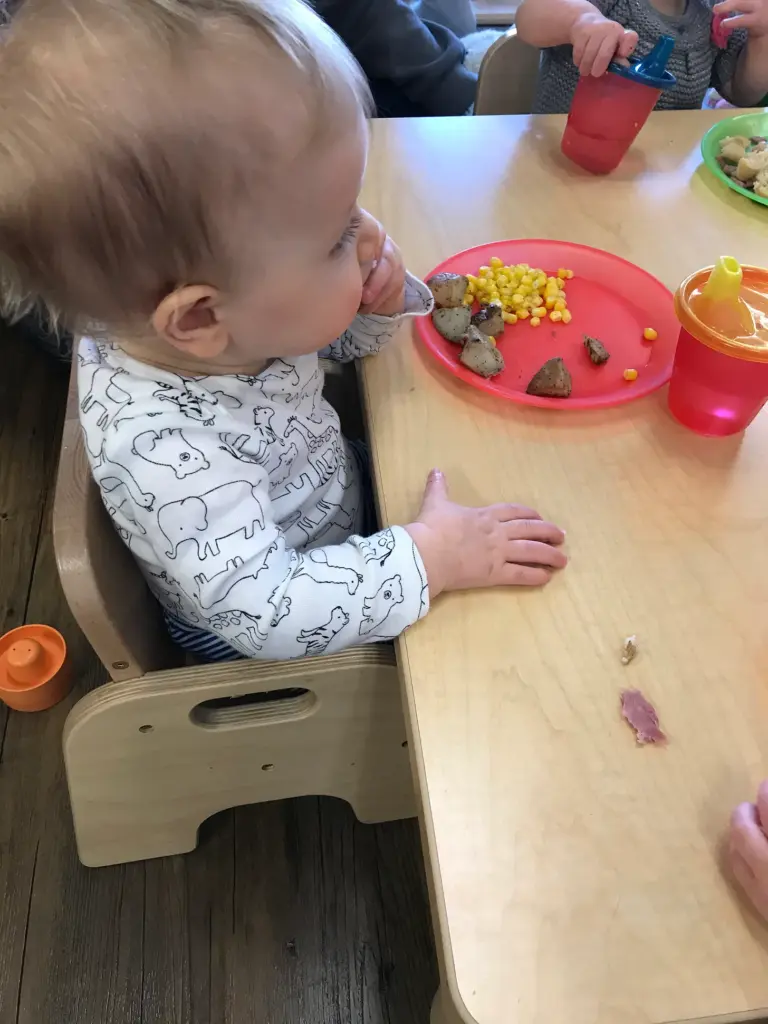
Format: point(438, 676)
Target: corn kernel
point(492, 341)
point(496, 262)
point(555, 316)
point(567, 316)
point(471, 278)
point(649, 334)
point(559, 305)
point(549, 302)
point(471, 288)
point(569, 274)
point(484, 271)
point(562, 273)
point(509, 318)
point(518, 299)
point(526, 279)
point(469, 298)
point(540, 311)
point(523, 314)
point(630, 375)
point(535, 321)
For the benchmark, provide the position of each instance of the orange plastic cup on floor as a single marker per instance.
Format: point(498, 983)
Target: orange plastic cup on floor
point(33, 668)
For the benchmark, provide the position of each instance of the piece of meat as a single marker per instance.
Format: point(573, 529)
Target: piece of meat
point(480, 355)
point(489, 320)
point(641, 715)
point(552, 381)
point(448, 289)
point(452, 322)
point(598, 353)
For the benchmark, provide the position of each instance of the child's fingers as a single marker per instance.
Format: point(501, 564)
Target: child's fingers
point(591, 49)
point(534, 553)
point(376, 282)
point(511, 575)
point(505, 513)
point(604, 56)
point(748, 838)
point(535, 529)
point(627, 44)
point(762, 805)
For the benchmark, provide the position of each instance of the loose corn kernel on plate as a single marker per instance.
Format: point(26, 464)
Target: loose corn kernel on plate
point(595, 293)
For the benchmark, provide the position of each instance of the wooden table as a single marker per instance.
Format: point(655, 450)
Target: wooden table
point(574, 875)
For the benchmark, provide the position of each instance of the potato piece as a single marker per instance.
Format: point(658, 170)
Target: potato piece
point(750, 166)
point(489, 320)
point(760, 185)
point(480, 356)
point(733, 150)
point(448, 289)
point(598, 353)
point(452, 322)
point(552, 381)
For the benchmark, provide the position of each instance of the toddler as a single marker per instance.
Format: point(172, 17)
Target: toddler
point(179, 182)
point(582, 38)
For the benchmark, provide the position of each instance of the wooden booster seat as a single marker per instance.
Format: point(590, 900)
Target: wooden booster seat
point(165, 745)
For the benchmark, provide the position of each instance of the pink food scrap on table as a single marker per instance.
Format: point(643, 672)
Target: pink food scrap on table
point(641, 715)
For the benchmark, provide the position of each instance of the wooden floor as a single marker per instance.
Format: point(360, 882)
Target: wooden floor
point(287, 913)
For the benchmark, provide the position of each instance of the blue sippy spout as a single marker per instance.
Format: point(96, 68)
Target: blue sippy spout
point(655, 64)
point(651, 70)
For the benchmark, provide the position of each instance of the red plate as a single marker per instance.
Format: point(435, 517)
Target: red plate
point(610, 299)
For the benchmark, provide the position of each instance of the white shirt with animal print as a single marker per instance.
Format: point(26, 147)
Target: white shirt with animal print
point(242, 502)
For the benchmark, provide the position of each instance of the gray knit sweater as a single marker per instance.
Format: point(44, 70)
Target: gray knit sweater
point(696, 62)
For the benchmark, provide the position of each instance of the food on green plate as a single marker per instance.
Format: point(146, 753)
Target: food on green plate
point(480, 354)
point(448, 289)
point(745, 160)
point(452, 322)
point(598, 353)
point(552, 381)
point(490, 319)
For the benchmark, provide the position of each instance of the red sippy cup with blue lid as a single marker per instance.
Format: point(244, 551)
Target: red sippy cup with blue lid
point(608, 112)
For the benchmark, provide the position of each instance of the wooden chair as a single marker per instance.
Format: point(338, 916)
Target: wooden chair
point(507, 80)
point(165, 745)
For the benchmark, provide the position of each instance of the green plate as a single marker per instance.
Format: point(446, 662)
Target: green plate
point(743, 124)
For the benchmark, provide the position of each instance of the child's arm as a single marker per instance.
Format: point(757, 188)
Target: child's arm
point(596, 40)
point(748, 848)
point(742, 69)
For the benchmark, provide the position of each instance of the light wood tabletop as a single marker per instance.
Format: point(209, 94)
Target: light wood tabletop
point(575, 875)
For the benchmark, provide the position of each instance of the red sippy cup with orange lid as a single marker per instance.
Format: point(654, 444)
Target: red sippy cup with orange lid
point(33, 669)
point(608, 112)
point(720, 377)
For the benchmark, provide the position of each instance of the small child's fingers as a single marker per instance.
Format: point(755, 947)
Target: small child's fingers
point(604, 56)
point(535, 529)
point(513, 575)
point(505, 513)
point(627, 43)
point(376, 281)
point(762, 805)
point(534, 552)
point(591, 48)
point(754, 890)
point(748, 838)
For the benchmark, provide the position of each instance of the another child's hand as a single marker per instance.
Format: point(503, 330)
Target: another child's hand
point(381, 262)
point(500, 545)
point(748, 848)
point(597, 41)
point(749, 14)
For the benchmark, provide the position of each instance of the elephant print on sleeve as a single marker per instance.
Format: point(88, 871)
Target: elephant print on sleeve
point(200, 519)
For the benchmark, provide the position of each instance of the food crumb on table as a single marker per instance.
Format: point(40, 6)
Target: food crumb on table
point(642, 716)
point(629, 650)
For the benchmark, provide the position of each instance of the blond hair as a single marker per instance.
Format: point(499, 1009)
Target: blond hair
point(124, 155)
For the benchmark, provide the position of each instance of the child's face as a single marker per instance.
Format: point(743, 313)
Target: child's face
point(318, 252)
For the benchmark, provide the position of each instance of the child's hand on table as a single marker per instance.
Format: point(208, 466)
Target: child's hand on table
point(749, 14)
point(748, 848)
point(597, 41)
point(466, 548)
point(381, 262)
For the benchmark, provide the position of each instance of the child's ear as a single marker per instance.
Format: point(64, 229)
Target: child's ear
point(189, 319)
